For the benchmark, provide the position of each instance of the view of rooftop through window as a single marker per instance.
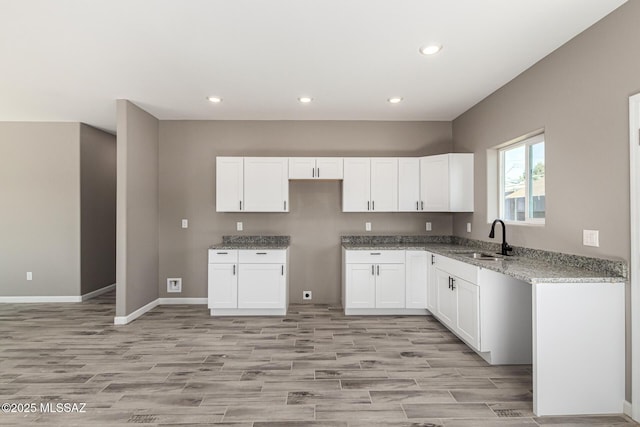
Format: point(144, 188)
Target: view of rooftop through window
point(523, 181)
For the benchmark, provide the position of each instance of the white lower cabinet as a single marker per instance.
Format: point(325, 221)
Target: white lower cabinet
point(261, 286)
point(247, 282)
point(390, 289)
point(468, 320)
point(432, 290)
point(223, 286)
point(362, 286)
point(446, 305)
point(416, 276)
point(489, 311)
point(377, 282)
point(458, 306)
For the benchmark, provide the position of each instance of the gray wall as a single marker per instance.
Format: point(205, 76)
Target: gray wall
point(187, 190)
point(97, 208)
point(579, 94)
point(40, 214)
point(137, 208)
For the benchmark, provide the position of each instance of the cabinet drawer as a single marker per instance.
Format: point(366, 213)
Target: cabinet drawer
point(220, 256)
point(268, 256)
point(375, 257)
point(461, 269)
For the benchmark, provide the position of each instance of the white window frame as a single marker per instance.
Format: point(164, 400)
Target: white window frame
point(526, 141)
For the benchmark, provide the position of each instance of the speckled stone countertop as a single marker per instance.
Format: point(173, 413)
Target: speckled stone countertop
point(529, 265)
point(253, 242)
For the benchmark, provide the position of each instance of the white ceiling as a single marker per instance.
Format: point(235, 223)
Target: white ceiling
point(69, 60)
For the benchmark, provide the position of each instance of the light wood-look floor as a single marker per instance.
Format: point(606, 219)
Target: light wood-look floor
point(316, 367)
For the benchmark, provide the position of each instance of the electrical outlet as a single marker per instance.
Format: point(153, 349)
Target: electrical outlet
point(185, 223)
point(468, 227)
point(29, 275)
point(591, 238)
point(174, 284)
point(306, 295)
point(428, 226)
point(367, 226)
point(238, 226)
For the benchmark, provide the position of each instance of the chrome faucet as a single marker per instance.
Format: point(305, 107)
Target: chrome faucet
point(505, 246)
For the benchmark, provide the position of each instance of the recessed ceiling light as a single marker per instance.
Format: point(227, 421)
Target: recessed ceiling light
point(431, 49)
point(394, 100)
point(215, 99)
point(305, 99)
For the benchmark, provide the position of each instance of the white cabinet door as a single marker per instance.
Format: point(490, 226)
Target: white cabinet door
point(356, 187)
point(447, 304)
point(384, 184)
point(261, 286)
point(329, 168)
point(360, 286)
point(390, 286)
point(266, 184)
point(409, 184)
point(223, 286)
point(446, 182)
point(229, 184)
point(416, 279)
point(302, 167)
point(461, 182)
point(468, 321)
point(434, 183)
point(432, 285)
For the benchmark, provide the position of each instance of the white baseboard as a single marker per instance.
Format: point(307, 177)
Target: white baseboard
point(191, 301)
point(40, 299)
point(98, 292)
point(123, 320)
point(627, 408)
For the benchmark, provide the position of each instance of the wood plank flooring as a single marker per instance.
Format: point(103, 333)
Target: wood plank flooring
point(177, 365)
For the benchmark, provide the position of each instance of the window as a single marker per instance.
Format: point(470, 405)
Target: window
point(521, 181)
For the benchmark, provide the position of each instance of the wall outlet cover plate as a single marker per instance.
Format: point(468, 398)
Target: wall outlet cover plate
point(174, 284)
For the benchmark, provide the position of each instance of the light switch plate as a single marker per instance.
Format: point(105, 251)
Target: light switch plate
point(29, 275)
point(591, 238)
point(367, 226)
point(428, 226)
point(238, 226)
point(185, 223)
point(468, 227)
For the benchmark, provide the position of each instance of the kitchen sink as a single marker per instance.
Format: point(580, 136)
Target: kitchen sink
point(484, 256)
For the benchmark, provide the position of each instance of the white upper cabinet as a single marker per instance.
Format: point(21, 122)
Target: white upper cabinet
point(302, 167)
point(409, 184)
point(266, 184)
point(229, 184)
point(252, 184)
point(329, 168)
point(370, 184)
point(356, 187)
point(446, 182)
point(384, 184)
point(315, 168)
point(441, 183)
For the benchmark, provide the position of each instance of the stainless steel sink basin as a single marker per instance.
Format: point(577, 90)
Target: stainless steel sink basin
point(481, 256)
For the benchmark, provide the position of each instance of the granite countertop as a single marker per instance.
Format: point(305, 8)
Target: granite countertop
point(253, 242)
point(529, 265)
